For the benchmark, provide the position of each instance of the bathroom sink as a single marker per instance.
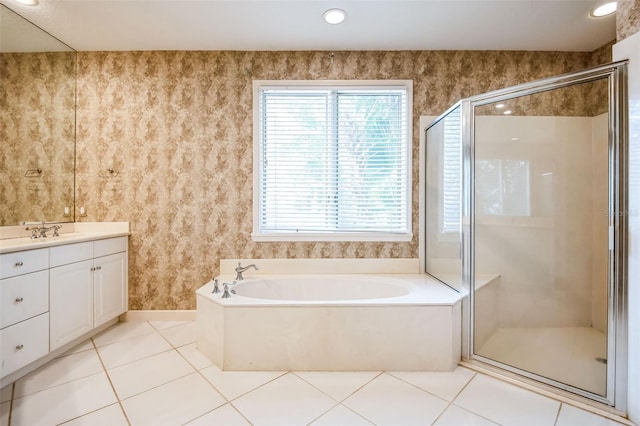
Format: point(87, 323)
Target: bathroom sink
point(29, 243)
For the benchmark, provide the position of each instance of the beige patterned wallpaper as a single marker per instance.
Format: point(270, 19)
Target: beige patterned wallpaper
point(177, 129)
point(37, 112)
point(627, 18)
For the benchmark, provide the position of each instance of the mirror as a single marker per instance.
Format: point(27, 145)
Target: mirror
point(37, 123)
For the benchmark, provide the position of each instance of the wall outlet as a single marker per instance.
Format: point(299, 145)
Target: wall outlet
point(83, 212)
point(67, 212)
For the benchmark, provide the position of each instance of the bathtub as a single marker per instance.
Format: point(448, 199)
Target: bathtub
point(331, 322)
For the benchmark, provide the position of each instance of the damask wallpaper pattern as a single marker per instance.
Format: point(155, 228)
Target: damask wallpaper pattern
point(627, 18)
point(37, 101)
point(176, 128)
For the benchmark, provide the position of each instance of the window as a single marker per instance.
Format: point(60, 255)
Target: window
point(332, 161)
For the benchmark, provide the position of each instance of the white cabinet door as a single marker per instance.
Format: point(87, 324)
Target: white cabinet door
point(110, 287)
point(71, 302)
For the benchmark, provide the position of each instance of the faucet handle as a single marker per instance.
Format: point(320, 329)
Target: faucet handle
point(226, 294)
point(216, 289)
point(55, 230)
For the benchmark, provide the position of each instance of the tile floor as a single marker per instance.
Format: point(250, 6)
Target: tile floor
point(150, 373)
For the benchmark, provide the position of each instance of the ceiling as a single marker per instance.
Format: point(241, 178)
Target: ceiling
point(90, 25)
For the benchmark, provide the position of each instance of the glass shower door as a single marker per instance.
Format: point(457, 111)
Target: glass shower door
point(542, 225)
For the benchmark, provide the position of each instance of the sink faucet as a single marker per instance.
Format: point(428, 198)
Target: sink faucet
point(240, 269)
point(41, 230)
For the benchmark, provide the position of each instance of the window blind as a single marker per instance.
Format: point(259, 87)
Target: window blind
point(451, 173)
point(333, 160)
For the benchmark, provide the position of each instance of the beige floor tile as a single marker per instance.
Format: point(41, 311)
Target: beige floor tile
point(288, 400)
point(389, 401)
point(134, 349)
point(181, 335)
point(572, 416)
point(456, 416)
point(107, 416)
point(194, 356)
point(63, 402)
point(226, 415)
point(123, 331)
point(338, 384)
point(60, 370)
point(173, 403)
point(446, 385)
point(341, 416)
point(142, 375)
point(505, 403)
point(232, 384)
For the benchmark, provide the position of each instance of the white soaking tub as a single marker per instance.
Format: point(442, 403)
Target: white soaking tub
point(331, 322)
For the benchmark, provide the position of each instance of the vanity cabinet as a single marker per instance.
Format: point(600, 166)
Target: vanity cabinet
point(51, 297)
point(91, 277)
point(24, 306)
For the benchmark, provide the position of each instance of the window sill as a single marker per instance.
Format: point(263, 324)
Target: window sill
point(335, 236)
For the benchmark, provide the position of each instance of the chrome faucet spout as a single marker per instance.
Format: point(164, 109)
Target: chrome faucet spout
point(240, 269)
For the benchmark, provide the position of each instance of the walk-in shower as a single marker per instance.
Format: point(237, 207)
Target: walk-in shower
point(525, 201)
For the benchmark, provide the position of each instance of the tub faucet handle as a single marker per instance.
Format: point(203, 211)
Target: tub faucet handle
point(226, 294)
point(216, 289)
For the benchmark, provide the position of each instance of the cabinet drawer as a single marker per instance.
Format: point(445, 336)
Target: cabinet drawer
point(23, 262)
point(71, 253)
point(23, 297)
point(109, 246)
point(23, 343)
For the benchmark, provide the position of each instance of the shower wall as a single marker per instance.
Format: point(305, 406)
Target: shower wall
point(548, 248)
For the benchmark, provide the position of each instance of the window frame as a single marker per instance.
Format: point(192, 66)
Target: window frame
point(258, 234)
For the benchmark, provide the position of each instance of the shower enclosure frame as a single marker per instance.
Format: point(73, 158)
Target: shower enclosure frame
point(615, 73)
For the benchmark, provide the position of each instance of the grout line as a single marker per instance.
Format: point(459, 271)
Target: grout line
point(324, 412)
point(419, 388)
point(558, 414)
point(111, 383)
point(443, 411)
point(258, 387)
point(13, 392)
point(241, 413)
point(337, 400)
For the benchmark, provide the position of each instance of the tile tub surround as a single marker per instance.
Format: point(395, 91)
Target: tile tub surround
point(194, 392)
point(177, 126)
point(245, 333)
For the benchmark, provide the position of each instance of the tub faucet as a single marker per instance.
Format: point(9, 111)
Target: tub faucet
point(240, 269)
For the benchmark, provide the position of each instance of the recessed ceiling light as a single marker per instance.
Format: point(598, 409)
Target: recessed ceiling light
point(334, 16)
point(604, 9)
point(500, 106)
point(28, 2)
point(507, 112)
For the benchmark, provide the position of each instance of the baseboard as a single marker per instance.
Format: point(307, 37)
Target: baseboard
point(156, 315)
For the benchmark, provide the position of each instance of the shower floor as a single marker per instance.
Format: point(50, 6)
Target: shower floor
point(567, 355)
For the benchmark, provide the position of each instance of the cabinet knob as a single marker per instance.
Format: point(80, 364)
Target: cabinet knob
point(19, 263)
point(93, 269)
point(19, 347)
point(99, 268)
point(19, 299)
